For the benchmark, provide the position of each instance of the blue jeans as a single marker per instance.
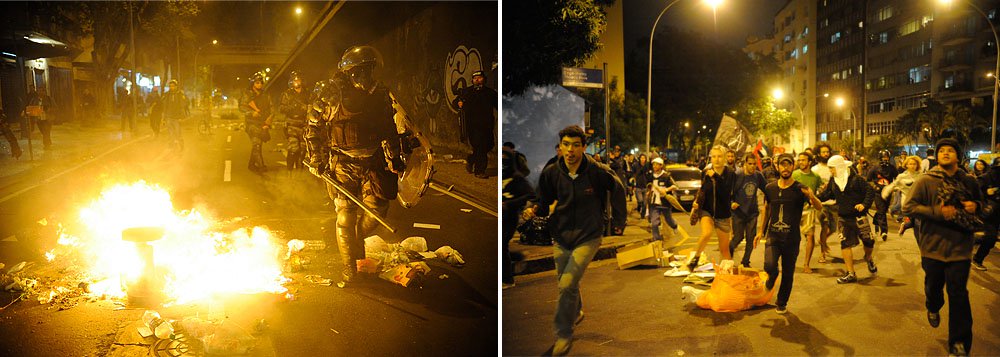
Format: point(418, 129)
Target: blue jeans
point(570, 265)
point(743, 229)
point(956, 276)
point(654, 219)
point(640, 201)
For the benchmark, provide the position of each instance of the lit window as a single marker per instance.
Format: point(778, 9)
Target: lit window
point(805, 49)
point(835, 37)
point(909, 27)
point(805, 31)
point(926, 20)
point(788, 38)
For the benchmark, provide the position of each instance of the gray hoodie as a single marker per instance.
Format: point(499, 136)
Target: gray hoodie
point(938, 238)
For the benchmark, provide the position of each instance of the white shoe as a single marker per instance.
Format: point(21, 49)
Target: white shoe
point(561, 348)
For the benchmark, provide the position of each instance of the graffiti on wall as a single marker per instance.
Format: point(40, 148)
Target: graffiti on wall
point(458, 72)
point(428, 98)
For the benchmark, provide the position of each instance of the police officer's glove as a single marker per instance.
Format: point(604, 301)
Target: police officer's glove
point(396, 165)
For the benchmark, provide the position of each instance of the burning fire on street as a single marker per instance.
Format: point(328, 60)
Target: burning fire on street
point(132, 242)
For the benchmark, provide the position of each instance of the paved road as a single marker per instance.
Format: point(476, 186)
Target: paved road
point(640, 312)
point(452, 315)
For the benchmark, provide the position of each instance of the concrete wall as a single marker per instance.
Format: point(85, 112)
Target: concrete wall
point(432, 54)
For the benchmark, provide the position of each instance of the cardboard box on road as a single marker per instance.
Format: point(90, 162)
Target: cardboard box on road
point(643, 253)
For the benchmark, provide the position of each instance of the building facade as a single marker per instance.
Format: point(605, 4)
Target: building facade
point(795, 50)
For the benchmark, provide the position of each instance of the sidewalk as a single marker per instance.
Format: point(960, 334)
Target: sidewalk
point(530, 259)
point(72, 143)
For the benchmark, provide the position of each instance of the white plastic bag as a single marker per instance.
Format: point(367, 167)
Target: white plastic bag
point(450, 255)
point(375, 246)
point(415, 244)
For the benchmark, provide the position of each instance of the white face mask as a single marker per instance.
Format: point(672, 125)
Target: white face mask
point(843, 173)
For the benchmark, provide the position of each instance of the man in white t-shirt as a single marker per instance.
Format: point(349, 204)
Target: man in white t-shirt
point(828, 218)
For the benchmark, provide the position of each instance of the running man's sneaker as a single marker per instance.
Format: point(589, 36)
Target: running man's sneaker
point(579, 318)
point(884, 236)
point(978, 266)
point(781, 310)
point(871, 266)
point(958, 349)
point(847, 278)
point(561, 347)
point(934, 319)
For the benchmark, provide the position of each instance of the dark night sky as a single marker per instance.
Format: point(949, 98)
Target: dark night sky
point(736, 19)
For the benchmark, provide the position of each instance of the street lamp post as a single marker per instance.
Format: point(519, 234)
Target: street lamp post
point(996, 85)
point(778, 94)
point(854, 124)
point(649, 72)
point(196, 54)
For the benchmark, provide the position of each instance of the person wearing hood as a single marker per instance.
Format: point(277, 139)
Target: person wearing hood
point(854, 196)
point(516, 193)
point(947, 202)
point(880, 176)
point(583, 190)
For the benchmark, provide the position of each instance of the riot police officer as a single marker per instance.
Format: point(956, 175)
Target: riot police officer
point(256, 106)
point(294, 105)
point(352, 128)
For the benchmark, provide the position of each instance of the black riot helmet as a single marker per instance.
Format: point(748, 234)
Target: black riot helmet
point(360, 63)
point(294, 80)
point(258, 76)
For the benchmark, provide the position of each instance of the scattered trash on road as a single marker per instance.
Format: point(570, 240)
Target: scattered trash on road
point(443, 276)
point(466, 210)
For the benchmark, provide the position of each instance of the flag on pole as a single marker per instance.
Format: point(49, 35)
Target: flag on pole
point(760, 151)
point(734, 136)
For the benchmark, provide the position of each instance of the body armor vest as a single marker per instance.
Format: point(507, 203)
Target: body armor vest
point(363, 121)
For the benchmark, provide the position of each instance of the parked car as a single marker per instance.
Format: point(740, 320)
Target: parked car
point(688, 181)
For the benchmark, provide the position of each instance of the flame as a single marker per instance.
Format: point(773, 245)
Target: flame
point(197, 262)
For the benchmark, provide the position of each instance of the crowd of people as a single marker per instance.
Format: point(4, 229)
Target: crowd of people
point(812, 194)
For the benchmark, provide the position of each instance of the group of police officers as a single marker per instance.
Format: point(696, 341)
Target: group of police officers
point(348, 129)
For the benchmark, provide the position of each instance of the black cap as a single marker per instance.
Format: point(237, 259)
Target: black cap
point(479, 73)
point(786, 157)
point(949, 142)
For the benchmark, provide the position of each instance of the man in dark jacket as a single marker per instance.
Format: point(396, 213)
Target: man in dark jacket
point(854, 196)
point(880, 176)
point(175, 107)
point(990, 186)
point(516, 193)
point(477, 104)
point(940, 198)
point(584, 190)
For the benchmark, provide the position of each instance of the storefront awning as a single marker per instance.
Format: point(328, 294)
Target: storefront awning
point(32, 45)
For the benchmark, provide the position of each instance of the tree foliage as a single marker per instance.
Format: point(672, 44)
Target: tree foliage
point(545, 35)
point(155, 24)
point(762, 118)
point(628, 115)
point(935, 120)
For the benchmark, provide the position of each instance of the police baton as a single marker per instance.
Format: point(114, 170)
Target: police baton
point(350, 196)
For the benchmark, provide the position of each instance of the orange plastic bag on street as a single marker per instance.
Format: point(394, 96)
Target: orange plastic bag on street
point(736, 292)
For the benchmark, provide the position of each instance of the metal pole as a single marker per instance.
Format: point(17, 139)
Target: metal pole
point(649, 72)
point(607, 109)
point(135, 84)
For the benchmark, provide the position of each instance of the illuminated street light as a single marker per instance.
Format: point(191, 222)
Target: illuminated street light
point(649, 72)
point(777, 93)
point(686, 124)
point(996, 69)
point(298, 11)
point(839, 101)
point(215, 42)
point(267, 70)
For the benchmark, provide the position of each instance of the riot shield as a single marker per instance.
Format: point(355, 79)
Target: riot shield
point(418, 156)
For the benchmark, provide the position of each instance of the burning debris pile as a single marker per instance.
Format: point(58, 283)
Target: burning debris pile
point(131, 245)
